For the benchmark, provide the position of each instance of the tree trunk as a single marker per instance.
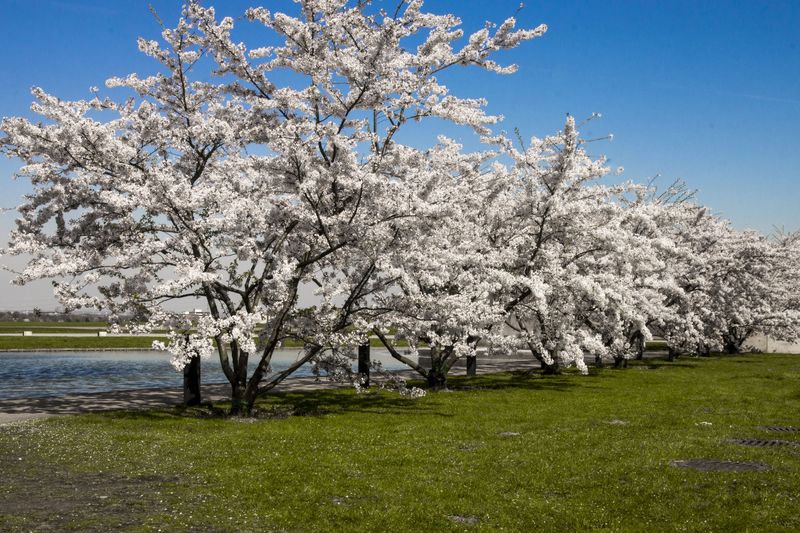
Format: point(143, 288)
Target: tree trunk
point(547, 368)
point(550, 369)
point(620, 362)
point(363, 364)
point(640, 346)
point(239, 401)
point(731, 347)
point(598, 361)
point(672, 354)
point(472, 365)
point(732, 343)
point(437, 375)
point(437, 380)
point(191, 382)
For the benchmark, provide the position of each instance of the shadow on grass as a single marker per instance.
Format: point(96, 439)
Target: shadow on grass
point(654, 363)
point(88, 402)
point(282, 405)
point(321, 402)
point(159, 403)
point(519, 379)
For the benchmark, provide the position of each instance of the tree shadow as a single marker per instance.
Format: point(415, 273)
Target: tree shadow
point(308, 397)
point(322, 402)
point(92, 402)
point(655, 363)
point(517, 379)
point(325, 402)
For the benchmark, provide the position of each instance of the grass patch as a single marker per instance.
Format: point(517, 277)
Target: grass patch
point(18, 324)
point(74, 343)
point(656, 345)
point(46, 329)
point(509, 451)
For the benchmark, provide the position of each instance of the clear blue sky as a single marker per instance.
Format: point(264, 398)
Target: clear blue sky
point(707, 91)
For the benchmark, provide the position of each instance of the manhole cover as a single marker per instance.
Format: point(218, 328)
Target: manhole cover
point(763, 443)
point(778, 428)
point(718, 465)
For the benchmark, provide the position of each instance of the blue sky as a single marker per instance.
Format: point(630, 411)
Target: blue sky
point(707, 91)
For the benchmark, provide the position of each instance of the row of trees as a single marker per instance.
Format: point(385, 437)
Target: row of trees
point(237, 190)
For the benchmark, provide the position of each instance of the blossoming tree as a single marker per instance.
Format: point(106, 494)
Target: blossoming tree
point(238, 190)
point(564, 227)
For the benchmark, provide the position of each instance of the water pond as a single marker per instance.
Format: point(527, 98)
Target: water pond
point(38, 374)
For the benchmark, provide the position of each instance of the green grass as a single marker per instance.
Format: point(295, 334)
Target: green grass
point(45, 329)
point(591, 452)
point(656, 345)
point(74, 343)
point(18, 324)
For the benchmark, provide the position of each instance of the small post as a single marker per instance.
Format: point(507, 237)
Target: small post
point(363, 364)
point(472, 365)
point(191, 382)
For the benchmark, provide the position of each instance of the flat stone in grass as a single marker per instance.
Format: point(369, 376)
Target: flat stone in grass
point(763, 443)
point(508, 434)
point(464, 519)
point(719, 465)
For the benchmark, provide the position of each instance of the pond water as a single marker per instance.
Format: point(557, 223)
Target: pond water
point(37, 374)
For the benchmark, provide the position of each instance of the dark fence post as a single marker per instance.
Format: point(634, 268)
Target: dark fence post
point(472, 365)
point(191, 382)
point(363, 364)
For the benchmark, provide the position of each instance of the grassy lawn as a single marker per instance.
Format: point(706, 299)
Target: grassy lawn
point(656, 345)
point(512, 452)
point(17, 325)
point(46, 329)
point(61, 343)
